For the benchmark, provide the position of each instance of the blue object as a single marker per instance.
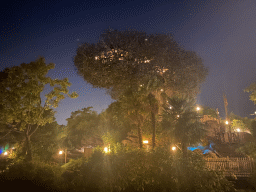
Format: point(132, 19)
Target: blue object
point(205, 149)
point(1, 150)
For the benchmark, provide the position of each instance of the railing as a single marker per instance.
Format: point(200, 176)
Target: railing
point(240, 167)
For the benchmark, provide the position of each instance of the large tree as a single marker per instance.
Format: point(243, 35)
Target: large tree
point(20, 100)
point(123, 60)
point(82, 125)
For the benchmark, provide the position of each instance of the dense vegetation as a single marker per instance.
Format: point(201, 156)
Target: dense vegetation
point(124, 170)
point(154, 82)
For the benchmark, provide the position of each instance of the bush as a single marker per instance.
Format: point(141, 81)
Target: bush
point(33, 174)
point(126, 170)
point(138, 170)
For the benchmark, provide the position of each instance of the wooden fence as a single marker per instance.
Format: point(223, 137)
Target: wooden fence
point(240, 167)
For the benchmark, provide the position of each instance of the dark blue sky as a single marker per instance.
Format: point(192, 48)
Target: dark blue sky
point(222, 32)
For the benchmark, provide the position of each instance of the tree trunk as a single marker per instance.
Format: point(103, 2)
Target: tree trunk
point(153, 119)
point(140, 135)
point(28, 149)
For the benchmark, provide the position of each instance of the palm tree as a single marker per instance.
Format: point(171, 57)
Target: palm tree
point(153, 90)
point(186, 126)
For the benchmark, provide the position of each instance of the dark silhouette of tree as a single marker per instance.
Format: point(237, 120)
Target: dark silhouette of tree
point(180, 116)
point(128, 59)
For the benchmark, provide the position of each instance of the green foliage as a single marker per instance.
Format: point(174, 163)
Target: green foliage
point(138, 170)
point(124, 58)
point(46, 142)
point(20, 99)
point(40, 174)
point(82, 124)
point(74, 164)
point(114, 123)
point(209, 111)
point(252, 90)
point(182, 122)
point(124, 170)
point(244, 122)
point(238, 124)
point(248, 149)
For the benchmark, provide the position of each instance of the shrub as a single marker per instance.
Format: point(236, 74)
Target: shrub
point(127, 170)
point(138, 170)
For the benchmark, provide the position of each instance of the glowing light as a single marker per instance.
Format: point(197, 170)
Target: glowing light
point(255, 112)
point(145, 141)
point(198, 108)
point(238, 130)
point(170, 107)
point(106, 150)
point(140, 85)
point(60, 152)
point(178, 115)
point(5, 153)
point(162, 90)
point(173, 148)
point(226, 122)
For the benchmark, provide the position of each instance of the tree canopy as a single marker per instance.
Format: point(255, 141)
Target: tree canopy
point(252, 90)
point(20, 99)
point(121, 59)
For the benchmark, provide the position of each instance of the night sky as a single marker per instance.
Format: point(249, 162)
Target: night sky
point(222, 32)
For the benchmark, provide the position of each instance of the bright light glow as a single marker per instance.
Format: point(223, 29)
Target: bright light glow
point(145, 141)
point(162, 90)
point(255, 112)
point(106, 149)
point(178, 115)
point(198, 108)
point(173, 148)
point(60, 152)
point(5, 153)
point(170, 107)
point(140, 85)
point(238, 130)
point(226, 122)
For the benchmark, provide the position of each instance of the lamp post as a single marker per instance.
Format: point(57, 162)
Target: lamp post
point(65, 154)
point(238, 130)
point(145, 142)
